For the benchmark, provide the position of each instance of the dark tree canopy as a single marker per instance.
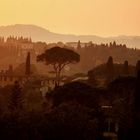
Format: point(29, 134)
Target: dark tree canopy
point(16, 98)
point(110, 69)
point(59, 58)
point(79, 45)
point(110, 61)
point(137, 67)
point(126, 68)
point(137, 93)
point(92, 79)
point(76, 91)
point(57, 55)
point(28, 65)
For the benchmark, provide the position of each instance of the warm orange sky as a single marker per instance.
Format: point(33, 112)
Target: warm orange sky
point(97, 17)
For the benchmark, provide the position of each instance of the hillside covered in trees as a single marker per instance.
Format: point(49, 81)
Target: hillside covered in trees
point(13, 51)
point(102, 106)
point(93, 55)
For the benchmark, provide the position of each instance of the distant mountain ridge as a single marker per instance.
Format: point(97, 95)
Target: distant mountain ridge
point(41, 34)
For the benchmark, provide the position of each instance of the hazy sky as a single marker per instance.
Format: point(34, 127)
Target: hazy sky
point(96, 17)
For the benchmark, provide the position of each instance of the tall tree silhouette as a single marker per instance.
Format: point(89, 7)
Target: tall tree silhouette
point(79, 45)
point(137, 67)
point(16, 99)
point(125, 68)
point(136, 112)
point(110, 69)
point(114, 44)
point(110, 44)
point(28, 65)
point(137, 93)
point(59, 58)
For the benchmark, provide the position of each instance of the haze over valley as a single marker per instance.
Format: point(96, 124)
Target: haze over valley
point(38, 33)
point(70, 70)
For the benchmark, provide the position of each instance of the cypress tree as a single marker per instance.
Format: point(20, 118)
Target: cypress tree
point(110, 69)
point(126, 68)
point(28, 65)
point(136, 113)
point(137, 67)
point(137, 93)
point(114, 44)
point(79, 45)
point(16, 98)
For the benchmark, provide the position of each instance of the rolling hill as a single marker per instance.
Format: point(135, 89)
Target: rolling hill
point(41, 34)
